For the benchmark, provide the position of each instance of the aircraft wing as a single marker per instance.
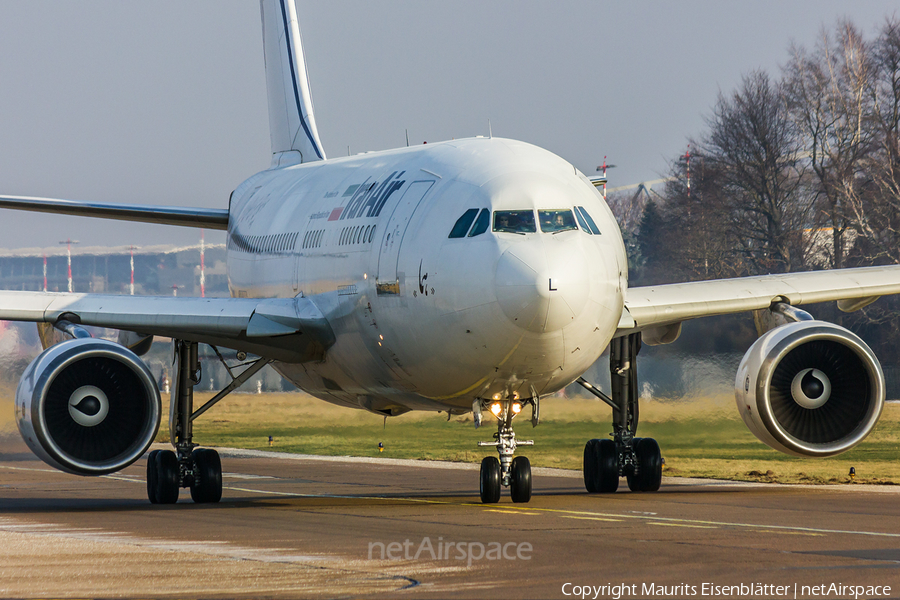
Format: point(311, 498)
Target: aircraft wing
point(209, 218)
point(285, 329)
point(661, 306)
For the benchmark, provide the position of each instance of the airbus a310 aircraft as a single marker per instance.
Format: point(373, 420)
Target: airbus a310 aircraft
point(469, 275)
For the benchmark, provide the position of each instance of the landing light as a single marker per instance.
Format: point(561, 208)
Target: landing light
point(496, 396)
point(517, 408)
point(496, 408)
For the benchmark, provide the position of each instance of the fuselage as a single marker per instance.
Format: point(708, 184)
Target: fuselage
point(435, 298)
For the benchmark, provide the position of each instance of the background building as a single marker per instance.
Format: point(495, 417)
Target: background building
point(158, 270)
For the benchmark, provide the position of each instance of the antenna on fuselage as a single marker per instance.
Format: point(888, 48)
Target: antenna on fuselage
point(490, 132)
point(407, 137)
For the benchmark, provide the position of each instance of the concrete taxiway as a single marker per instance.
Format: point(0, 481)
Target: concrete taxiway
point(324, 527)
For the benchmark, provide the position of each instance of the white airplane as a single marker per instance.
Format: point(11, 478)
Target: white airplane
point(469, 275)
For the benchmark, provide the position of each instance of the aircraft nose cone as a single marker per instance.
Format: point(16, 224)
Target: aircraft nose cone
point(542, 287)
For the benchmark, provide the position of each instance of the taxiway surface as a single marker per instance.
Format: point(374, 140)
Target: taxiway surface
point(323, 527)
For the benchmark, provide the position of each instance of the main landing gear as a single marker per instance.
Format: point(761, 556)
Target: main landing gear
point(199, 469)
point(514, 473)
point(638, 459)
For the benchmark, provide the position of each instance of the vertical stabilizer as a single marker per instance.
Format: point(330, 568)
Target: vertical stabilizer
point(291, 121)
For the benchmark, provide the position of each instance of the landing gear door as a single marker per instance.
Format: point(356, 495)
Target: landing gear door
point(387, 282)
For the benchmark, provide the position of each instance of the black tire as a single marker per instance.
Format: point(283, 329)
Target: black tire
point(490, 480)
point(592, 466)
point(168, 477)
point(649, 461)
point(152, 478)
point(520, 479)
point(608, 467)
point(207, 486)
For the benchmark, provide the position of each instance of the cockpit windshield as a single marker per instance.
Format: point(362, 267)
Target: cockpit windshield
point(514, 221)
point(554, 221)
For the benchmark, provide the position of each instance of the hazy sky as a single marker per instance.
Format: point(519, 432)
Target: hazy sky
point(163, 102)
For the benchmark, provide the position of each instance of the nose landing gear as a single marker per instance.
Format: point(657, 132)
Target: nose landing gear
point(514, 473)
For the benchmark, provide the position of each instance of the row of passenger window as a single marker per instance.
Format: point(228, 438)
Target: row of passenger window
point(522, 222)
point(263, 244)
point(361, 234)
point(313, 239)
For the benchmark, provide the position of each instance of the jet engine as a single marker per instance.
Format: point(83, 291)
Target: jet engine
point(88, 406)
point(810, 388)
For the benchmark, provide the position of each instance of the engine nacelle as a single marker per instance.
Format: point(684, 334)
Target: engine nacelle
point(810, 388)
point(88, 406)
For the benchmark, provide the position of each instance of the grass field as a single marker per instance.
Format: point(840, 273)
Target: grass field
point(700, 438)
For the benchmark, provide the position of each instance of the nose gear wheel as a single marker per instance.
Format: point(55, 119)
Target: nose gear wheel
point(490, 480)
point(514, 473)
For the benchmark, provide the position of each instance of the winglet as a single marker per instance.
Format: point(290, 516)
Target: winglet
point(292, 125)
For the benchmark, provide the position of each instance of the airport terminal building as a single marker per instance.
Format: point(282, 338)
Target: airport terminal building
point(158, 270)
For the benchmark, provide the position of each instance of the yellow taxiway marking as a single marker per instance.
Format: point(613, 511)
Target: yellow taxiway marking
point(29, 469)
point(791, 532)
point(592, 518)
point(509, 512)
point(699, 522)
point(684, 525)
point(590, 515)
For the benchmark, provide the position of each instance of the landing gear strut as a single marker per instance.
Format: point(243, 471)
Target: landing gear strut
point(638, 459)
point(508, 471)
point(199, 469)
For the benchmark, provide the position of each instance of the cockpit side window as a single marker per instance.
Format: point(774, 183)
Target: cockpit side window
point(555, 221)
point(590, 221)
point(463, 223)
point(514, 221)
point(582, 222)
point(481, 225)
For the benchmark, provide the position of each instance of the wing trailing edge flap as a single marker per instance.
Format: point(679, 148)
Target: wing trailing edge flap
point(285, 329)
point(657, 310)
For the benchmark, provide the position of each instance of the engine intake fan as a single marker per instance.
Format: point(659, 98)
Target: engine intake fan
point(810, 388)
point(88, 406)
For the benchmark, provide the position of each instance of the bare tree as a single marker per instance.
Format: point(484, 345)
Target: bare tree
point(829, 97)
point(694, 238)
point(880, 217)
point(627, 207)
point(754, 147)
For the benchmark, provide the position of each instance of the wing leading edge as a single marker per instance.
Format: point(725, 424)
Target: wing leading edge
point(663, 306)
point(208, 218)
point(284, 329)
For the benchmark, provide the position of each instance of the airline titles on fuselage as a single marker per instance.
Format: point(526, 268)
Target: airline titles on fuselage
point(367, 199)
point(363, 200)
